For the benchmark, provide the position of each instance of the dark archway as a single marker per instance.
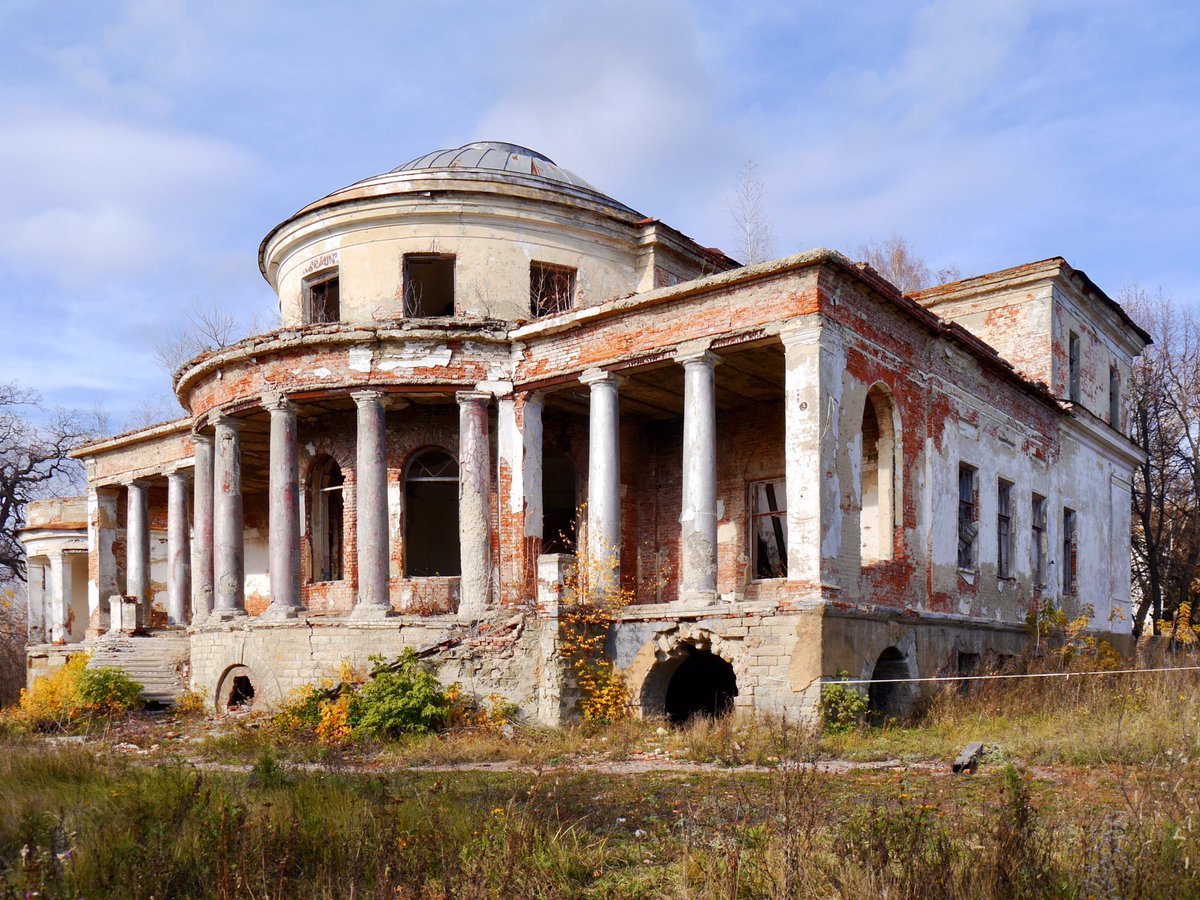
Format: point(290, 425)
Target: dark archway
point(703, 684)
point(890, 700)
point(241, 692)
point(559, 503)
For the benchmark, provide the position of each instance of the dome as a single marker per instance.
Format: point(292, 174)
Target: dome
point(497, 156)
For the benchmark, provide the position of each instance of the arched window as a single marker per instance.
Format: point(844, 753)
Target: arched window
point(325, 520)
point(877, 474)
point(431, 514)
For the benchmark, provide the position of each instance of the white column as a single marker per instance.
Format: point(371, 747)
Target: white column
point(370, 505)
point(35, 601)
point(814, 364)
point(202, 512)
point(698, 519)
point(474, 502)
point(284, 503)
point(531, 473)
point(229, 552)
point(102, 562)
point(604, 479)
point(58, 599)
point(179, 549)
point(137, 550)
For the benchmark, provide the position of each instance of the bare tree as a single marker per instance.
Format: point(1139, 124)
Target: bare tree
point(206, 328)
point(754, 236)
point(897, 261)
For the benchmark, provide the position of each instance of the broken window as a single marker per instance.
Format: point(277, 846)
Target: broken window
point(322, 298)
point(1004, 534)
point(876, 523)
point(1114, 397)
point(1073, 366)
point(1039, 540)
point(325, 520)
point(551, 289)
point(428, 285)
point(558, 504)
point(1070, 551)
point(768, 528)
point(431, 514)
point(968, 525)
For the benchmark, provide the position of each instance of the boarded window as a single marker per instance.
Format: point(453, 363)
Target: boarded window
point(1114, 397)
point(431, 515)
point(558, 504)
point(1073, 363)
point(768, 528)
point(322, 298)
point(326, 520)
point(1039, 540)
point(968, 524)
point(1004, 533)
point(551, 289)
point(428, 285)
point(1070, 551)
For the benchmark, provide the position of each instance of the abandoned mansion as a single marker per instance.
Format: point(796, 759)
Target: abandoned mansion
point(489, 375)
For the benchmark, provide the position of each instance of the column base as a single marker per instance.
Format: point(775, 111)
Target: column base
point(371, 612)
point(277, 612)
point(691, 599)
point(226, 615)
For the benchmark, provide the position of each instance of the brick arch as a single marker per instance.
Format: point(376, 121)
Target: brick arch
point(648, 676)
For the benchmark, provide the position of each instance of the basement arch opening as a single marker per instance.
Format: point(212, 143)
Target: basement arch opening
point(890, 700)
point(236, 689)
point(693, 682)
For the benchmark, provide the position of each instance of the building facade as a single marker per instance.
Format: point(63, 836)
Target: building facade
point(488, 372)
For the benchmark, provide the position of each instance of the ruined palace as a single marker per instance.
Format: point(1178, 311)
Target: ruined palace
point(488, 372)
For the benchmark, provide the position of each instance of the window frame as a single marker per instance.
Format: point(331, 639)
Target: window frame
point(1074, 367)
point(539, 308)
point(779, 525)
point(1004, 530)
point(413, 312)
point(1114, 397)
point(320, 279)
point(324, 543)
point(1038, 531)
point(968, 518)
point(1070, 549)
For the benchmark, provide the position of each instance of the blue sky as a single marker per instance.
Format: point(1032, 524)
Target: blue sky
point(146, 147)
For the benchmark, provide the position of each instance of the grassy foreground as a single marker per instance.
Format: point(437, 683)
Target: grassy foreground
point(1088, 789)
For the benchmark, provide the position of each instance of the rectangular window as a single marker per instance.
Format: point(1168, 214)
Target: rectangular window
point(768, 528)
point(1004, 533)
point(322, 298)
point(1073, 366)
point(968, 524)
point(1114, 397)
point(1070, 551)
point(551, 289)
point(1039, 540)
point(428, 285)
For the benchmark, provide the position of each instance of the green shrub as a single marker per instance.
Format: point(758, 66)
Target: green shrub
point(107, 691)
point(401, 698)
point(842, 706)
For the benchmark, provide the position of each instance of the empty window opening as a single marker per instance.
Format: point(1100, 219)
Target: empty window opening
point(768, 528)
point(326, 517)
point(968, 520)
point(241, 692)
point(322, 298)
point(1073, 367)
point(876, 523)
point(551, 289)
point(1114, 397)
point(1070, 551)
point(1039, 540)
point(1004, 532)
point(702, 685)
point(559, 504)
point(428, 285)
point(431, 515)
point(890, 699)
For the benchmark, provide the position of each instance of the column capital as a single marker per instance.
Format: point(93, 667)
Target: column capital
point(796, 332)
point(277, 403)
point(697, 356)
point(179, 470)
point(202, 437)
point(366, 397)
point(592, 377)
point(221, 420)
point(139, 481)
point(466, 398)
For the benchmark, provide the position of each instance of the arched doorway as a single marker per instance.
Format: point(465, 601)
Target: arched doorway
point(877, 488)
point(325, 519)
point(702, 684)
point(236, 689)
point(890, 700)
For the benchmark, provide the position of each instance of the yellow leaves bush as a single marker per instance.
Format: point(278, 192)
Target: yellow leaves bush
point(74, 692)
point(334, 727)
